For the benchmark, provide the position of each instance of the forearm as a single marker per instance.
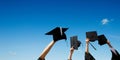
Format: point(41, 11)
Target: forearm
point(111, 48)
point(108, 43)
point(87, 46)
point(47, 49)
point(71, 53)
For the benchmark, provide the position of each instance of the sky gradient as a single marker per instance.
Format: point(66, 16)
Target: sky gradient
point(23, 24)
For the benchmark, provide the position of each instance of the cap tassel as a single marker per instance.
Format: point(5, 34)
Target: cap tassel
point(93, 47)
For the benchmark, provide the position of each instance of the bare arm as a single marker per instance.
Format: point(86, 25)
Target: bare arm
point(87, 46)
point(108, 43)
point(47, 49)
point(71, 53)
point(111, 48)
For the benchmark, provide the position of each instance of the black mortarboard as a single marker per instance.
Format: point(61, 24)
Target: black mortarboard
point(102, 40)
point(74, 42)
point(58, 33)
point(92, 35)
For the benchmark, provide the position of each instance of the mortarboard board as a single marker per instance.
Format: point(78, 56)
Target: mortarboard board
point(92, 35)
point(58, 33)
point(74, 42)
point(102, 40)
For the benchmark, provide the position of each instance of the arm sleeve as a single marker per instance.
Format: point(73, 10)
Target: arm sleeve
point(113, 50)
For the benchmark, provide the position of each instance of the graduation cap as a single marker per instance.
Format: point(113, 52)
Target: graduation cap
point(102, 40)
point(92, 35)
point(58, 33)
point(74, 42)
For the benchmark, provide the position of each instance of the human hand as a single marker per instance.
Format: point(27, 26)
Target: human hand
point(72, 48)
point(87, 40)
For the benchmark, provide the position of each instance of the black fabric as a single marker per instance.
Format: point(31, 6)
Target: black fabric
point(58, 33)
point(102, 40)
point(40, 59)
point(115, 56)
point(88, 56)
point(78, 43)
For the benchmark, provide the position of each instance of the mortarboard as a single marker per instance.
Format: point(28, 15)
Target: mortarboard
point(102, 40)
point(74, 42)
point(58, 33)
point(92, 35)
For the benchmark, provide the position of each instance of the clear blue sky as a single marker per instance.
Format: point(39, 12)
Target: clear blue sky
point(23, 24)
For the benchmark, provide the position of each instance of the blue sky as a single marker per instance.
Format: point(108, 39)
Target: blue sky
point(23, 24)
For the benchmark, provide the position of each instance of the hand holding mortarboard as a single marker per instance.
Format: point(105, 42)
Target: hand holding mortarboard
point(103, 40)
point(58, 34)
point(88, 56)
point(92, 36)
point(75, 43)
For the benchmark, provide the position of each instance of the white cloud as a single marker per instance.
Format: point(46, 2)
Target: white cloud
point(105, 21)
